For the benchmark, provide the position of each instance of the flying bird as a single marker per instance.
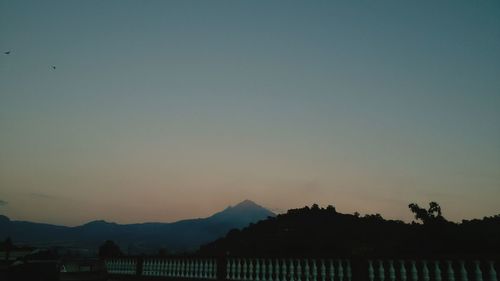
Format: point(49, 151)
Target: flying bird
point(53, 67)
point(7, 53)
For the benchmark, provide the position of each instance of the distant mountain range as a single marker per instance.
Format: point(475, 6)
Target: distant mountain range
point(184, 235)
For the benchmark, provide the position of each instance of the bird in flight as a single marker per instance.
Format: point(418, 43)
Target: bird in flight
point(53, 67)
point(7, 53)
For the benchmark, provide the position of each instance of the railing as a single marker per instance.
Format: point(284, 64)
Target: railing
point(180, 268)
point(412, 270)
point(281, 269)
point(288, 269)
point(124, 266)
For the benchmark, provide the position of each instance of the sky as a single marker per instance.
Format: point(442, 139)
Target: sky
point(166, 110)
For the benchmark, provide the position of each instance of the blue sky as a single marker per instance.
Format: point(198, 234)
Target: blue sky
point(163, 110)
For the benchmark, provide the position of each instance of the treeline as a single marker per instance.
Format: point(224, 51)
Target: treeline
point(323, 232)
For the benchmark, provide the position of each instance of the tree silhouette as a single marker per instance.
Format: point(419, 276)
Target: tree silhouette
point(432, 215)
point(109, 249)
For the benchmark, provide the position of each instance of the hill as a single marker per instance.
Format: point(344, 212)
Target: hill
point(324, 232)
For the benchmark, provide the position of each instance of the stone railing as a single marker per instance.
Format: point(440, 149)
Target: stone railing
point(288, 269)
point(427, 270)
point(125, 266)
point(180, 268)
point(304, 269)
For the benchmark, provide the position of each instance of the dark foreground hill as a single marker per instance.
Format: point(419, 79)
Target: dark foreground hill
point(185, 235)
point(324, 232)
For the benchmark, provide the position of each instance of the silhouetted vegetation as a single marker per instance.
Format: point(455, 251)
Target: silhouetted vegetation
point(325, 232)
point(109, 249)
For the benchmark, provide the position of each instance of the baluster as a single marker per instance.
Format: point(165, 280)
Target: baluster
point(331, 270)
point(371, 273)
point(206, 264)
point(306, 270)
point(292, 270)
point(162, 267)
point(493, 273)
point(381, 271)
point(349, 270)
point(228, 269)
point(257, 269)
point(277, 270)
point(479, 273)
point(158, 267)
point(199, 265)
point(244, 270)
point(206, 269)
point(463, 271)
point(450, 271)
point(284, 272)
point(299, 270)
point(392, 272)
point(414, 272)
point(402, 270)
point(213, 269)
point(340, 270)
point(170, 268)
point(188, 269)
point(238, 269)
point(270, 270)
point(194, 268)
point(264, 277)
point(314, 270)
point(210, 271)
point(425, 271)
point(437, 271)
point(232, 274)
point(197, 269)
point(179, 268)
point(323, 270)
point(154, 267)
point(250, 270)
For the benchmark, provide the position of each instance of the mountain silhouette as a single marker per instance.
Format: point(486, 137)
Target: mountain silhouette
point(180, 236)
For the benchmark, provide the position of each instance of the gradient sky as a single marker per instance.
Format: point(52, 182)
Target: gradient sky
point(164, 110)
